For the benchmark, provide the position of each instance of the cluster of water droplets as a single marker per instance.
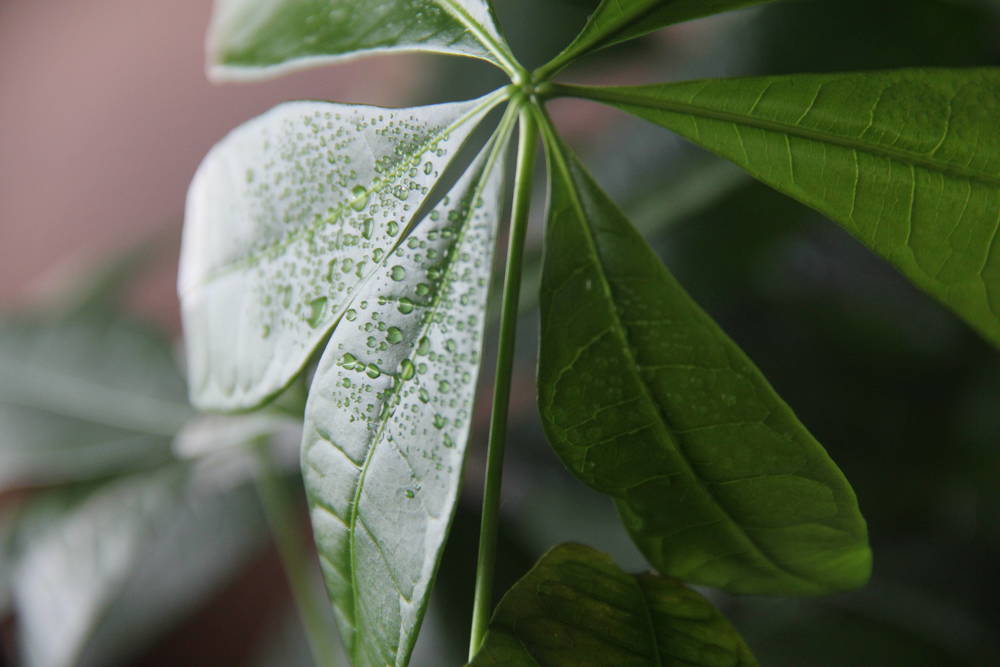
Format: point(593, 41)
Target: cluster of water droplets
point(390, 405)
point(315, 196)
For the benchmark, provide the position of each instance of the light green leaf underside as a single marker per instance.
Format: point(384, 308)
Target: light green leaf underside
point(69, 575)
point(908, 161)
point(388, 418)
point(83, 397)
point(255, 38)
point(285, 218)
point(646, 399)
point(577, 608)
point(616, 21)
point(123, 564)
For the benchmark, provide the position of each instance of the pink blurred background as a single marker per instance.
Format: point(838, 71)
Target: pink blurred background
point(105, 112)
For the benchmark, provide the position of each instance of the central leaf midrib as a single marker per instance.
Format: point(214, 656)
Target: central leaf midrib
point(502, 55)
point(647, 614)
point(627, 351)
point(619, 96)
point(432, 307)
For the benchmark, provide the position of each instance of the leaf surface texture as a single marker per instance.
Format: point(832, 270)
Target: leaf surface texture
point(646, 399)
point(908, 161)
point(388, 418)
point(254, 38)
point(576, 607)
point(286, 217)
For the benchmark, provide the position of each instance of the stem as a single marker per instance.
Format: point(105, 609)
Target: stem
point(281, 518)
point(486, 563)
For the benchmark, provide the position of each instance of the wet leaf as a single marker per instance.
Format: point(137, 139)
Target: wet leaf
point(388, 418)
point(576, 607)
point(647, 400)
point(908, 161)
point(286, 217)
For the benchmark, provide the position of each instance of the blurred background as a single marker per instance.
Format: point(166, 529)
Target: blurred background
point(111, 555)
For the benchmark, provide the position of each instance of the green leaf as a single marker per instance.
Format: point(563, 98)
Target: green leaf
point(83, 397)
point(388, 418)
point(616, 21)
point(255, 38)
point(908, 161)
point(121, 565)
point(646, 399)
point(286, 218)
point(576, 607)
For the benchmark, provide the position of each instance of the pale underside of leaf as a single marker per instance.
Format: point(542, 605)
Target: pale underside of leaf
point(908, 161)
point(646, 399)
point(285, 218)
point(68, 576)
point(252, 39)
point(388, 418)
point(616, 21)
point(85, 396)
point(576, 607)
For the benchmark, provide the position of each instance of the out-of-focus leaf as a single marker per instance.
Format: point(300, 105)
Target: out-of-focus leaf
point(576, 607)
point(286, 218)
point(206, 540)
point(388, 418)
point(254, 38)
point(908, 161)
point(84, 397)
point(646, 399)
point(222, 447)
point(616, 21)
point(70, 574)
point(122, 564)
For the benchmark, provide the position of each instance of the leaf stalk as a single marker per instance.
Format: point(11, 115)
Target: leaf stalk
point(486, 562)
point(282, 519)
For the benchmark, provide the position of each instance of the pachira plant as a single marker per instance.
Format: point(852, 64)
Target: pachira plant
point(326, 240)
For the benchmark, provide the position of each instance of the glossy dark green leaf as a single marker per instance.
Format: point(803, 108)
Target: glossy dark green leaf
point(85, 396)
point(286, 218)
point(255, 38)
point(616, 21)
point(646, 399)
point(908, 161)
point(388, 418)
point(577, 608)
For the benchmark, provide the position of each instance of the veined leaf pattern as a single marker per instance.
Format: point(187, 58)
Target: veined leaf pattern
point(576, 607)
point(285, 218)
point(388, 418)
point(255, 38)
point(646, 399)
point(908, 161)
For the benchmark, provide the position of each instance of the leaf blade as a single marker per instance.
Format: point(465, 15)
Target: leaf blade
point(381, 502)
point(286, 217)
point(616, 21)
point(249, 39)
point(688, 437)
point(85, 396)
point(576, 606)
point(905, 160)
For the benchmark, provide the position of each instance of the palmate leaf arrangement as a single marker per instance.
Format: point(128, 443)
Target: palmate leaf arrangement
point(324, 229)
